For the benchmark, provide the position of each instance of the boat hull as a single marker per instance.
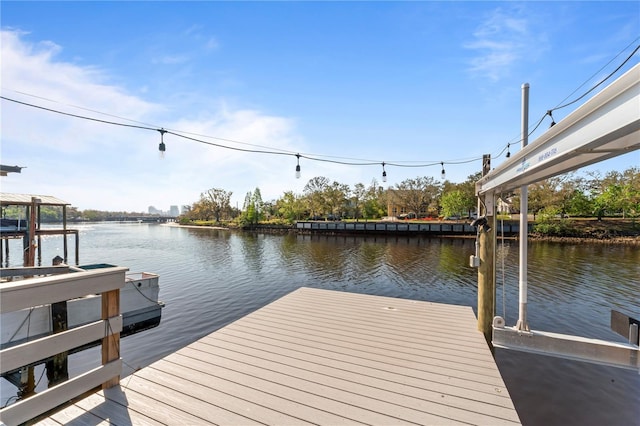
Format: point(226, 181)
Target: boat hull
point(139, 306)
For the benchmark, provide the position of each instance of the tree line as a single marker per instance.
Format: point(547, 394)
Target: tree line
point(53, 214)
point(616, 193)
point(591, 195)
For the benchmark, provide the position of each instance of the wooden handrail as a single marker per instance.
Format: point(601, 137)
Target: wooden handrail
point(57, 288)
point(52, 289)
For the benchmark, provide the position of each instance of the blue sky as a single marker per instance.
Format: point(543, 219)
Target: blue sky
point(400, 82)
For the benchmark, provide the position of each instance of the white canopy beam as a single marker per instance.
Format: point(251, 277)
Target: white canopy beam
point(604, 127)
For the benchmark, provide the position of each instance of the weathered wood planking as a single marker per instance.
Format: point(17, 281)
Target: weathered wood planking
point(318, 357)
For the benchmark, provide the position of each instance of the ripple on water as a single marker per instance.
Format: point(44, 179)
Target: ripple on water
point(210, 278)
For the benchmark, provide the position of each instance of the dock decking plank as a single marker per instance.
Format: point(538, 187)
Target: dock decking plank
point(410, 335)
point(445, 367)
point(228, 391)
point(411, 404)
point(440, 382)
point(112, 405)
point(375, 343)
point(285, 388)
point(74, 415)
point(397, 383)
point(321, 357)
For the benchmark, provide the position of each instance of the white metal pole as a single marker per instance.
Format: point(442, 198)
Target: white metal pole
point(524, 209)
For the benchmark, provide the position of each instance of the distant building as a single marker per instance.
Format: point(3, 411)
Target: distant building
point(173, 211)
point(153, 210)
point(396, 207)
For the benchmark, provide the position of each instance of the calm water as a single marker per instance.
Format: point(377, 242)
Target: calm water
point(210, 278)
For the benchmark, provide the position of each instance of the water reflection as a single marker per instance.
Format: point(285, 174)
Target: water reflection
point(209, 278)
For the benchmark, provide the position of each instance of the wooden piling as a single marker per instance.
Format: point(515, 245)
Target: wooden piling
point(58, 366)
point(487, 268)
point(111, 343)
point(487, 280)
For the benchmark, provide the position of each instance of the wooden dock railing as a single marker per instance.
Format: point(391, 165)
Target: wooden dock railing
point(33, 292)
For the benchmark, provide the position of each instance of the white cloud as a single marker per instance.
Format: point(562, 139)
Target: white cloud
point(171, 59)
point(94, 165)
point(212, 44)
point(501, 40)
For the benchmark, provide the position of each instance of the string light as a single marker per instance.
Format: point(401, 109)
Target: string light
point(162, 148)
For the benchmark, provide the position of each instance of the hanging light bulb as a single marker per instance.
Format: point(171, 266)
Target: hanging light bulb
point(384, 173)
point(508, 152)
point(162, 148)
point(443, 174)
point(298, 167)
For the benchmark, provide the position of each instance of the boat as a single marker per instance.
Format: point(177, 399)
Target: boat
point(139, 304)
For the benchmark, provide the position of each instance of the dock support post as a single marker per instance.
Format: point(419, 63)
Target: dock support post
point(6, 253)
point(111, 342)
point(58, 366)
point(27, 385)
point(77, 249)
point(486, 274)
point(64, 234)
point(487, 268)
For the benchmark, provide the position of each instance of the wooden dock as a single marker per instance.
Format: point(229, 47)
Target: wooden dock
point(317, 357)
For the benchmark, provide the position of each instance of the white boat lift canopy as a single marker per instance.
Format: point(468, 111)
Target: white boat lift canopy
point(606, 126)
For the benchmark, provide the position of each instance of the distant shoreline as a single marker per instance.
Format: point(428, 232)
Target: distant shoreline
point(177, 225)
point(621, 239)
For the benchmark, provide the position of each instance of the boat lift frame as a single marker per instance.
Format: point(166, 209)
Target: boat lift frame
point(606, 126)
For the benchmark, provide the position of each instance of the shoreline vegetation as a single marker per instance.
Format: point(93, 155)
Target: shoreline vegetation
point(581, 230)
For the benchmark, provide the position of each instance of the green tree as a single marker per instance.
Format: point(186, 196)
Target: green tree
point(358, 198)
point(216, 201)
point(253, 209)
point(336, 196)
point(92, 215)
point(419, 195)
point(453, 203)
point(578, 204)
point(290, 206)
point(375, 203)
point(314, 192)
point(466, 199)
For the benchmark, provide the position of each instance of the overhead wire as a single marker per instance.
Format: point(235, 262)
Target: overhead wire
point(601, 81)
point(79, 107)
point(316, 157)
point(564, 105)
point(180, 134)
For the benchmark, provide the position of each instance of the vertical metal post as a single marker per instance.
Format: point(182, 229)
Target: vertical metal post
point(30, 249)
point(524, 224)
point(77, 249)
point(6, 252)
point(39, 239)
point(64, 234)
